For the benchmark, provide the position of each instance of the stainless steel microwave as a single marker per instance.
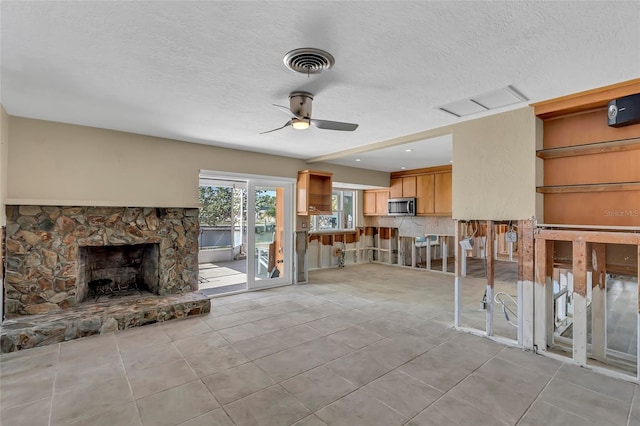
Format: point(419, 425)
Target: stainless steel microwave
point(401, 207)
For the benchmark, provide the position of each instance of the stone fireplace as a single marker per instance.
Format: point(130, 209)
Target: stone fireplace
point(53, 252)
point(55, 255)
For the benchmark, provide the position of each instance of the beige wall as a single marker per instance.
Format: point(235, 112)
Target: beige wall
point(494, 167)
point(62, 164)
point(4, 161)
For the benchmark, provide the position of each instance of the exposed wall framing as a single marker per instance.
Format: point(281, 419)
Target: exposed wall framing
point(484, 234)
point(588, 272)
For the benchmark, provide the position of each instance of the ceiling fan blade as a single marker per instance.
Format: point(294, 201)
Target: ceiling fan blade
point(334, 125)
point(279, 128)
point(286, 111)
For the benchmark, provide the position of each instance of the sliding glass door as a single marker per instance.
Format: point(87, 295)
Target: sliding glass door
point(271, 242)
point(246, 235)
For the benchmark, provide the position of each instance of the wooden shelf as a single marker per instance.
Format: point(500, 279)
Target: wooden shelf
point(598, 187)
point(590, 149)
point(314, 192)
point(590, 169)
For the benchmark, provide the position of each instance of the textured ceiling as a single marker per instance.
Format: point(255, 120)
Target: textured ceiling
point(208, 72)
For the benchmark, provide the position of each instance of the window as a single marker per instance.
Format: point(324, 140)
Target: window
point(343, 217)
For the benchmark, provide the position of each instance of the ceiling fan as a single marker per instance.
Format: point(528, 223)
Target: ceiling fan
point(299, 112)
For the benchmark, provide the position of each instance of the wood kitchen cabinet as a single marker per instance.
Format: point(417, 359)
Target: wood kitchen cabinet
point(403, 187)
point(314, 192)
point(431, 187)
point(375, 202)
point(443, 193)
point(395, 188)
point(426, 194)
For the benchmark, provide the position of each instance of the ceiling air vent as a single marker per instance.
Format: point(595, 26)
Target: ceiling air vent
point(487, 101)
point(308, 60)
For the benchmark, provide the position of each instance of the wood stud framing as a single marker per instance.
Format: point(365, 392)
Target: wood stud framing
point(580, 302)
point(548, 292)
point(489, 250)
point(598, 300)
point(540, 287)
point(459, 253)
point(583, 243)
point(526, 277)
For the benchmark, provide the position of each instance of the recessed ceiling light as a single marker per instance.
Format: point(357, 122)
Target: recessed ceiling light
point(451, 161)
point(357, 159)
point(403, 168)
point(408, 150)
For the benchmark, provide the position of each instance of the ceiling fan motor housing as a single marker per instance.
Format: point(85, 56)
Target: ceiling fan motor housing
point(300, 104)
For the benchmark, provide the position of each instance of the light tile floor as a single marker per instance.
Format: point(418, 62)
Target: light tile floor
point(221, 274)
point(364, 345)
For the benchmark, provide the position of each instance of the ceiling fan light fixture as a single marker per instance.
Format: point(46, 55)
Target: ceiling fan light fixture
point(300, 124)
point(299, 113)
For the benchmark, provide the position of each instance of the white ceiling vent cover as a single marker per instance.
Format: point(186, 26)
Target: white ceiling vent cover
point(492, 100)
point(309, 60)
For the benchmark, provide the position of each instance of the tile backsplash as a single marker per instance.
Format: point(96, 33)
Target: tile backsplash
point(414, 226)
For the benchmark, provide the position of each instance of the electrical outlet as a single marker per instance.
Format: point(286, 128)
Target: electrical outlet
point(304, 225)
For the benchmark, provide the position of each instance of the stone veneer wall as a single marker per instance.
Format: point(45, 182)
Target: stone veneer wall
point(42, 250)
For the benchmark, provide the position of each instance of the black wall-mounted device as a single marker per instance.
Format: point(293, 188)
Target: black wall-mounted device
point(624, 111)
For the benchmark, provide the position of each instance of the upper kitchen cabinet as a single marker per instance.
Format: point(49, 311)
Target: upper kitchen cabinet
point(426, 194)
point(314, 192)
point(443, 193)
point(375, 202)
point(431, 187)
point(403, 187)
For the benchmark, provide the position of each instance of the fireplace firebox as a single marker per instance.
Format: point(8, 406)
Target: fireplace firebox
point(117, 270)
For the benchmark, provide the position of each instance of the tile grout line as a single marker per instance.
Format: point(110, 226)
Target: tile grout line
point(616, 399)
point(457, 383)
point(311, 412)
point(53, 388)
point(540, 394)
point(361, 387)
point(633, 398)
point(425, 352)
point(279, 383)
point(204, 384)
point(126, 375)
